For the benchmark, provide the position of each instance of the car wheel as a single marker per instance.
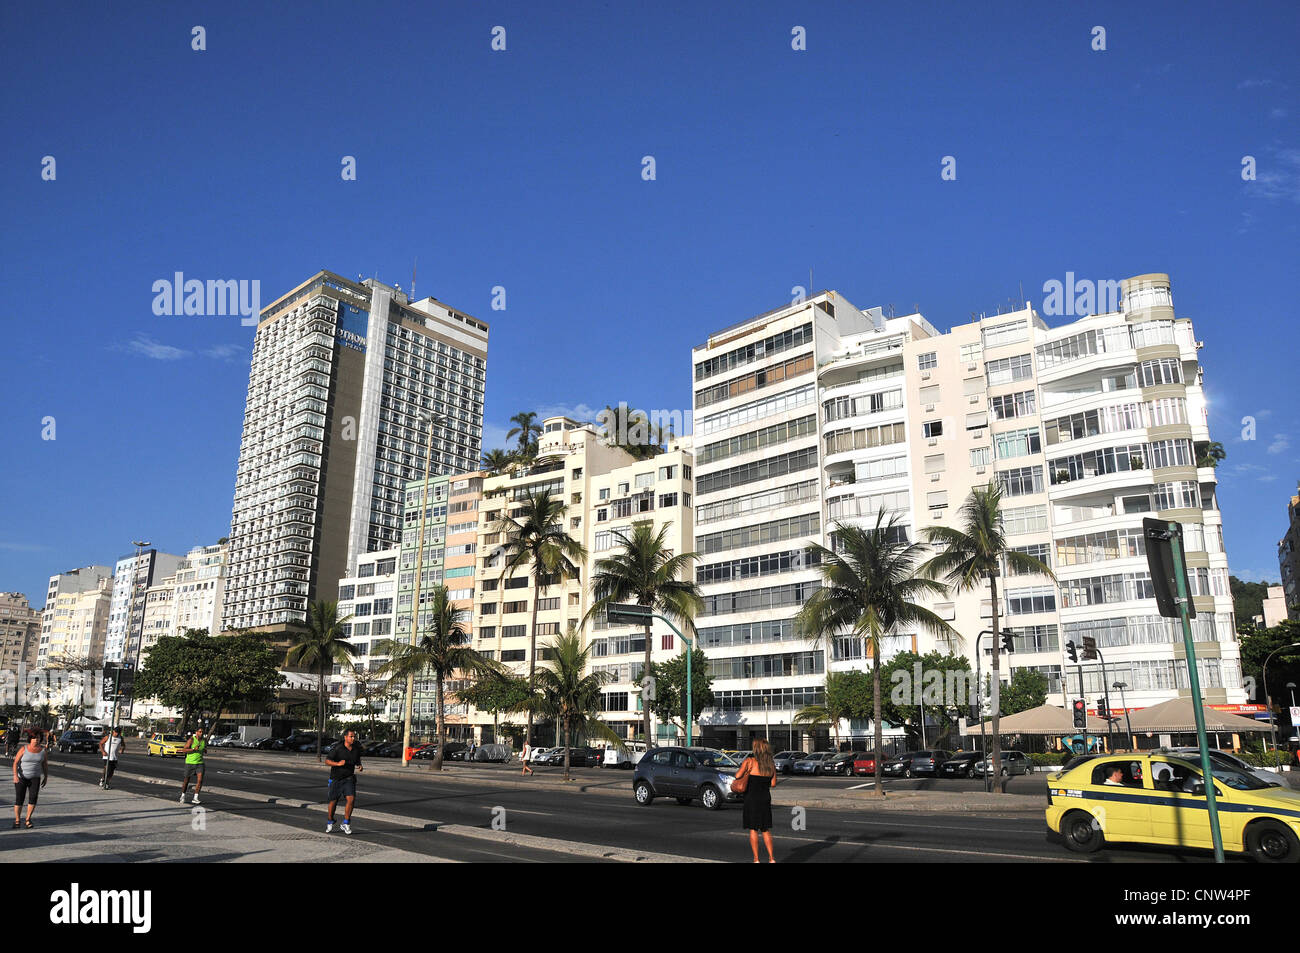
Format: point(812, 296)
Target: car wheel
point(684, 800)
point(1004, 772)
point(711, 797)
point(1082, 832)
point(1271, 843)
point(644, 794)
point(907, 773)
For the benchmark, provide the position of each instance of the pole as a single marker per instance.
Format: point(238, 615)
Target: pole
point(1105, 688)
point(415, 604)
point(1176, 550)
point(112, 722)
point(1272, 719)
point(690, 684)
point(126, 649)
point(1127, 720)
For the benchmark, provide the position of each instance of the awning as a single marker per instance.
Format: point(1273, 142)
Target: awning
point(1043, 720)
point(1177, 715)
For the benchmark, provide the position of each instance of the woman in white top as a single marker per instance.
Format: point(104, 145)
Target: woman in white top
point(110, 747)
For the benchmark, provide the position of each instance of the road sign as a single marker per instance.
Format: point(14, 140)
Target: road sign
point(1295, 715)
point(119, 680)
point(1160, 561)
point(628, 613)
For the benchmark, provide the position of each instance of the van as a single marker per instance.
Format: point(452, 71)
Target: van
point(625, 757)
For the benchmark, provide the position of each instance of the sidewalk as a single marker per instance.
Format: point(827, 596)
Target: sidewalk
point(77, 822)
point(617, 782)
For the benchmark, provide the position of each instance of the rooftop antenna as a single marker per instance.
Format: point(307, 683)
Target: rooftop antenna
point(414, 263)
point(1022, 296)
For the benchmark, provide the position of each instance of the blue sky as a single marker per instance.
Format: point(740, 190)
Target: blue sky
point(522, 169)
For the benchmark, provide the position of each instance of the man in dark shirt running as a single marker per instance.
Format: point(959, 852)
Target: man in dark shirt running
point(344, 759)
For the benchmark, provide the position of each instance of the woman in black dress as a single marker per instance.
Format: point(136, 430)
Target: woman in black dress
point(760, 773)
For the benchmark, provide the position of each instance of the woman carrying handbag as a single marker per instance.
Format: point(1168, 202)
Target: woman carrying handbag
point(755, 780)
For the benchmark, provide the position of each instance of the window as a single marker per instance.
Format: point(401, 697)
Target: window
point(666, 473)
point(603, 494)
point(1021, 481)
point(1017, 443)
point(1006, 406)
point(930, 394)
point(1024, 519)
point(1167, 371)
point(513, 655)
point(1008, 369)
point(624, 489)
point(977, 421)
point(1039, 551)
point(1008, 333)
point(666, 642)
point(927, 361)
point(1034, 599)
point(932, 428)
point(645, 479)
point(934, 463)
point(969, 354)
point(1181, 495)
point(981, 456)
point(972, 387)
point(937, 500)
point(602, 515)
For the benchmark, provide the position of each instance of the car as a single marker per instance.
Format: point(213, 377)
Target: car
point(78, 741)
point(1159, 799)
point(786, 759)
point(911, 764)
point(842, 763)
point(578, 757)
point(429, 752)
point(169, 746)
point(1228, 760)
point(1013, 762)
point(625, 757)
point(865, 763)
point(491, 753)
point(225, 741)
point(686, 774)
point(960, 765)
point(535, 754)
point(262, 744)
point(813, 763)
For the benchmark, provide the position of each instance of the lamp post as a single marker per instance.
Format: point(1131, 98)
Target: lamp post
point(139, 545)
point(1127, 721)
point(1272, 720)
point(428, 420)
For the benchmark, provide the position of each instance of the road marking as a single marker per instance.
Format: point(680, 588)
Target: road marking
point(928, 850)
point(515, 810)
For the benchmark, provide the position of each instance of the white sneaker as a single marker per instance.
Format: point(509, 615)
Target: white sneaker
point(329, 826)
point(195, 799)
point(182, 797)
point(346, 828)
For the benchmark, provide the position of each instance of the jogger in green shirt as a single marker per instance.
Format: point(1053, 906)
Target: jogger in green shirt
point(193, 752)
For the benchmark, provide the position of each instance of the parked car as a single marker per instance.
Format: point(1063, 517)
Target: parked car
point(786, 759)
point(911, 764)
point(686, 774)
point(865, 763)
point(616, 757)
point(225, 741)
point(1013, 762)
point(960, 765)
point(310, 744)
point(578, 757)
point(492, 754)
point(535, 754)
point(813, 763)
point(842, 763)
point(429, 752)
point(262, 744)
point(1224, 759)
point(78, 741)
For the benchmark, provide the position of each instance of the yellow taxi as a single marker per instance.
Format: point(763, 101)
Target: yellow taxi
point(169, 746)
point(1160, 799)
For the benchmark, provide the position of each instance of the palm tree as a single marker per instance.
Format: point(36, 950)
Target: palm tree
point(537, 541)
point(625, 423)
point(496, 461)
point(868, 588)
point(524, 428)
point(647, 572)
point(973, 552)
point(1210, 454)
point(831, 713)
point(442, 649)
point(318, 645)
point(569, 696)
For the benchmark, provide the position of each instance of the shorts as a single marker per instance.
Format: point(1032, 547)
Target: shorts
point(26, 789)
point(343, 787)
point(192, 769)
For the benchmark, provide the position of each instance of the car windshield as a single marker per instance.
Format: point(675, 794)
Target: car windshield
point(1238, 779)
point(714, 759)
point(172, 738)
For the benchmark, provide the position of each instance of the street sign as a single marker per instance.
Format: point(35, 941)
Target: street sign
point(119, 680)
point(1295, 715)
point(628, 613)
point(1089, 647)
point(1160, 561)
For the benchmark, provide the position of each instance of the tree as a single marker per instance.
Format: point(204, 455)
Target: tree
point(869, 583)
point(204, 674)
point(496, 692)
point(319, 645)
point(1210, 454)
point(648, 573)
point(442, 649)
point(524, 428)
point(496, 461)
point(975, 551)
point(1028, 689)
point(632, 432)
point(919, 686)
point(538, 542)
point(1247, 601)
point(1284, 666)
point(842, 700)
point(369, 688)
point(669, 680)
point(563, 692)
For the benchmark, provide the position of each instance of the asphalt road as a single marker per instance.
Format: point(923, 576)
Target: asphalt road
point(563, 825)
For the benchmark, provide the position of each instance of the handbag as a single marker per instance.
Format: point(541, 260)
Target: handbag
point(740, 782)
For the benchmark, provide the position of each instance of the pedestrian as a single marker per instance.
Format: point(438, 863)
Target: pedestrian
point(30, 763)
point(755, 780)
point(110, 746)
point(343, 759)
point(193, 752)
point(524, 756)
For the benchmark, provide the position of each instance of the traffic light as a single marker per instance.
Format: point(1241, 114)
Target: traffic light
point(1070, 648)
point(1080, 713)
point(974, 713)
point(1102, 710)
point(1008, 642)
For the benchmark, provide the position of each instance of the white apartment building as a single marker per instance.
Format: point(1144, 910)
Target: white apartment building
point(340, 373)
point(131, 578)
point(368, 599)
point(200, 588)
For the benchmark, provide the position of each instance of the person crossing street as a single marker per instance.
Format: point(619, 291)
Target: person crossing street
point(110, 747)
point(193, 752)
point(344, 760)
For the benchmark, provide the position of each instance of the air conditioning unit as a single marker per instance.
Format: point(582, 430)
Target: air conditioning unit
point(934, 477)
point(929, 408)
point(932, 442)
point(971, 367)
point(974, 399)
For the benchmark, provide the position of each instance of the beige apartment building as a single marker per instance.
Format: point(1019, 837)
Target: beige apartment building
point(20, 632)
point(606, 490)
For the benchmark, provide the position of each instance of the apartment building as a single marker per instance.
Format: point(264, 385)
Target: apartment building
point(20, 633)
point(1288, 558)
point(340, 375)
point(132, 577)
point(159, 613)
point(78, 626)
point(200, 588)
point(605, 490)
point(59, 606)
point(367, 599)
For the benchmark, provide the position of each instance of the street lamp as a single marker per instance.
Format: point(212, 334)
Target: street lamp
point(425, 419)
point(1127, 721)
point(139, 545)
point(1271, 719)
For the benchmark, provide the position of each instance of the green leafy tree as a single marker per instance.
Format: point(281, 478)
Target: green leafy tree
point(1284, 666)
point(842, 700)
point(442, 650)
point(1028, 689)
point(972, 553)
point(317, 647)
point(943, 677)
point(632, 432)
point(669, 680)
point(525, 426)
point(1210, 454)
point(1248, 602)
point(370, 690)
point(496, 693)
point(537, 541)
point(566, 692)
point(204, 675)
point(646, 571)
point(869, 584)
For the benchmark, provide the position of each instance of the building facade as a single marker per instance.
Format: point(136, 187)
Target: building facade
point(340, 373)
point(1288, 558)
point(132, 577)
point(56, 616)
point(20, 633)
